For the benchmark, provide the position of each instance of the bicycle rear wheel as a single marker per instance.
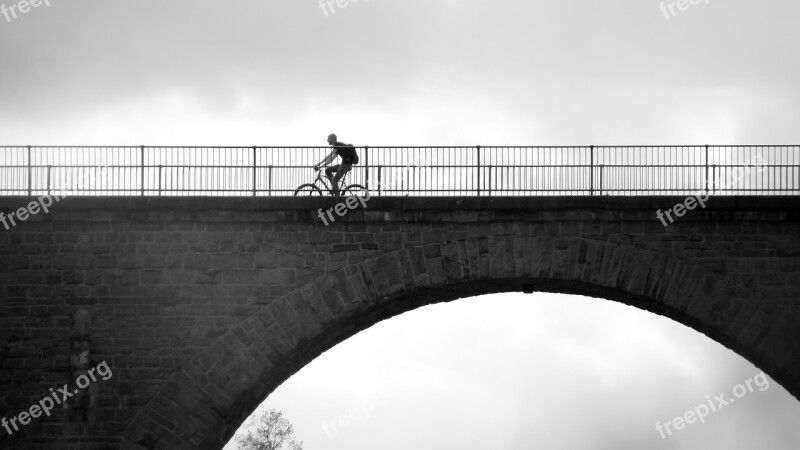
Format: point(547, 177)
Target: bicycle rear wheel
point(355, 189)
point(307, 189)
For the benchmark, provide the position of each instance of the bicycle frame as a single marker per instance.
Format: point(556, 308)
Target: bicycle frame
point(321, 179)
point(320, 182)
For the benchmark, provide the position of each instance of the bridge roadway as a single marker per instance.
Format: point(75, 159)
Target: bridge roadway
point(200, 307)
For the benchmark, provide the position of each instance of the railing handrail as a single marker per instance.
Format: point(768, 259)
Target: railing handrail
point(700, 146)
point(458, 170)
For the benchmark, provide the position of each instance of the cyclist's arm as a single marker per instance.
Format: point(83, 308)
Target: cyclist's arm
point(327, 159)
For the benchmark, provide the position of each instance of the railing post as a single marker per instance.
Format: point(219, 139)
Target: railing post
point(591, 170)
point(49, 168)
point(705, 174)
point(254, 171)
point(366, 166)
point(380, 183)
point(30, 173)
point(478, 167)
point(159, 180)
point(141, 155)
point(269, 180)
point(600, 188)
point(713, 178)
point(489, 184)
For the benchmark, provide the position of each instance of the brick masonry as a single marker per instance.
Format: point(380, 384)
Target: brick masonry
point(202, 307)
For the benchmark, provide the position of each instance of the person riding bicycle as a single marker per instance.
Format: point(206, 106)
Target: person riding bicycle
point(349, 157)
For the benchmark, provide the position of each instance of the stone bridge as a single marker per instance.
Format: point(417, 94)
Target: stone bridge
point(200, 307)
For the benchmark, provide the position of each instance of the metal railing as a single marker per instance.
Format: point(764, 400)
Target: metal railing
point(416, 171)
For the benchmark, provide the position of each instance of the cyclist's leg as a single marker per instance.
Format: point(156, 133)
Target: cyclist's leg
point(329, 172)
point(342, 169)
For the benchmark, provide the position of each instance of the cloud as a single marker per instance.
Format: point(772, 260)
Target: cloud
point(440, 72)
point(508, 370)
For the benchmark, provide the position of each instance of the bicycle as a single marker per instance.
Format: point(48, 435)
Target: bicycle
point(313, 189)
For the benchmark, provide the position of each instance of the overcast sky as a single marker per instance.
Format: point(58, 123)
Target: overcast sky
point(516, 372)
point(384, 72)
point(503, 372)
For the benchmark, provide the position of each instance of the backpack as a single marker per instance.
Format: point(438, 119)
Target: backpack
point(349, 155)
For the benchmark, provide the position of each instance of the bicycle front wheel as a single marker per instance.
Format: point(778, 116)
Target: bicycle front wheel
point(307, 189)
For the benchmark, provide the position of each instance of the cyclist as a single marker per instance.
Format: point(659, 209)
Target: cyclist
point(349, 157)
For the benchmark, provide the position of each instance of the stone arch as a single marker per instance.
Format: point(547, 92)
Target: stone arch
point(203, 403)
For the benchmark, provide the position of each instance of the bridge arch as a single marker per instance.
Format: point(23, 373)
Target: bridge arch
point(203, 306)
point(203, 403)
